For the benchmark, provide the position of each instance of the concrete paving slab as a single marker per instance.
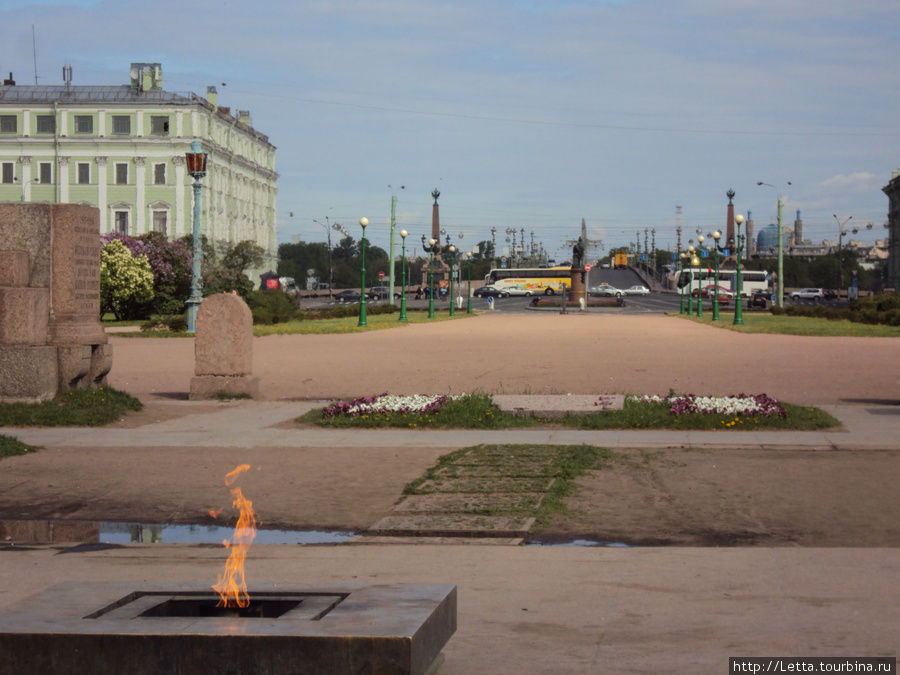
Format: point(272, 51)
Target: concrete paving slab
point(545, 610)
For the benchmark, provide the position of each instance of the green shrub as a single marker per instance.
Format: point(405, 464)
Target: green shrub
point(176, 323)
point(271, 306)
point(777, 311)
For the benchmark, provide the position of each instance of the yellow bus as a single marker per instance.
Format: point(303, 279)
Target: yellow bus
point(530, 280)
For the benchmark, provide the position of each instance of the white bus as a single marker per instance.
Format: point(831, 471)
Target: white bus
point(530, 280)
point(751, 280)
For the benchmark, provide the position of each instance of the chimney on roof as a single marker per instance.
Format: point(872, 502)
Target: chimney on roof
point(9, 82)
point(244, 118)
point(212, 95)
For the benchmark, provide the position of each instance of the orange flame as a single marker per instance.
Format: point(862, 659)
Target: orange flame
point(232, 587)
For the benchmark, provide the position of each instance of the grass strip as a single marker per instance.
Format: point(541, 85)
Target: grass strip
point(328, 326)
point(477, 411)
point(764, 322)
point(72, 409)
point(11, 447)
point(508, 469)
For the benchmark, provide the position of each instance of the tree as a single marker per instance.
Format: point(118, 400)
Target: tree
point(126, 281)
point(224, 267)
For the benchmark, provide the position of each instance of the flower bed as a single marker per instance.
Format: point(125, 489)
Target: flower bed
point(742, 404)
point(385, 404)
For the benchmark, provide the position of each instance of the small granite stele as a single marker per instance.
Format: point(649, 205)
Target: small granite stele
point(51, 338)
point(223, 349)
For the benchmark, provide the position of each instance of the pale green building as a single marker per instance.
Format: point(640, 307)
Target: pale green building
point(122, 148)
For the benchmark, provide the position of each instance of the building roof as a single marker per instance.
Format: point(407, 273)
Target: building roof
point(91, 94)
point(48, 94)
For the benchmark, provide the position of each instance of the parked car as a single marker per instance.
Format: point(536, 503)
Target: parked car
point(490, 292)
point(829, 294)
point(348, 295)
point(606, 290)
point(637, 290)
point(381, 292)
point(814, 294)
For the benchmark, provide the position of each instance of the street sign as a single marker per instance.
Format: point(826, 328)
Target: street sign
point(705, 254)
point(674, 256)
point(587, 268)
point(726, 253)
point(643, 256)
point(381, 275)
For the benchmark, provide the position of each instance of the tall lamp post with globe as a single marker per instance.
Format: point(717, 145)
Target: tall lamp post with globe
point(715, 251)
point(738, 245)
point(469, 293)
point(690, 286)
point(700, 240)
point(433, 246)
point(362, 291)
point(403, 317)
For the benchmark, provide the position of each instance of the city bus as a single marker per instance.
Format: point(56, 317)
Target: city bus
point(530, 280)
point(751, 280)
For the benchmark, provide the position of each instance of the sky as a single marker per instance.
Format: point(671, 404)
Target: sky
point(525, 114)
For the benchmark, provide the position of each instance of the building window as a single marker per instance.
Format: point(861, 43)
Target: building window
point(159, 174)
point(46, 173)
point(84, 124)
point(121, 124)
point(8, 124)
point(84, 173)
point(121, 220)
point(160, 221)
point(46, 124)
point(121, 174)
point(159, 125)
point(8, 175)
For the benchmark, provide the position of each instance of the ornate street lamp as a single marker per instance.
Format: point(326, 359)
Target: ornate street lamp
point(196, 164)
point(403, 317)
point(362, 291)
point(681, 257)
point(469, 294)
point(739, 244)
point(695, 262)
point(451, 259)
point(700, 240)
point(715, 251)
point(433, 246)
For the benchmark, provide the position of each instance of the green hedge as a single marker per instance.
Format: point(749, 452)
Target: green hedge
point(877, 309)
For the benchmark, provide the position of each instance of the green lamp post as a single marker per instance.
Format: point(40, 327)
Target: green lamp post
point(469, 293)
point(403, 317)
point(690, 287)
point(700, 240)
point(451, 259)
point(715, 251)
point(362, 291)
point(433, 245)
point(196, 163)
point(739, 244)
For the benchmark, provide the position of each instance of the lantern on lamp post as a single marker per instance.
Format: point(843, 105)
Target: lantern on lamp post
point(403, 317)
point(196, 164)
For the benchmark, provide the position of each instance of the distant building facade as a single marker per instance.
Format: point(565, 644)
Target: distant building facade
point(122, 148)
point(892, 190)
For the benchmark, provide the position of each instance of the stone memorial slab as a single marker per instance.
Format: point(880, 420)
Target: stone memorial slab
point(223, 349)
point(50, 331)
